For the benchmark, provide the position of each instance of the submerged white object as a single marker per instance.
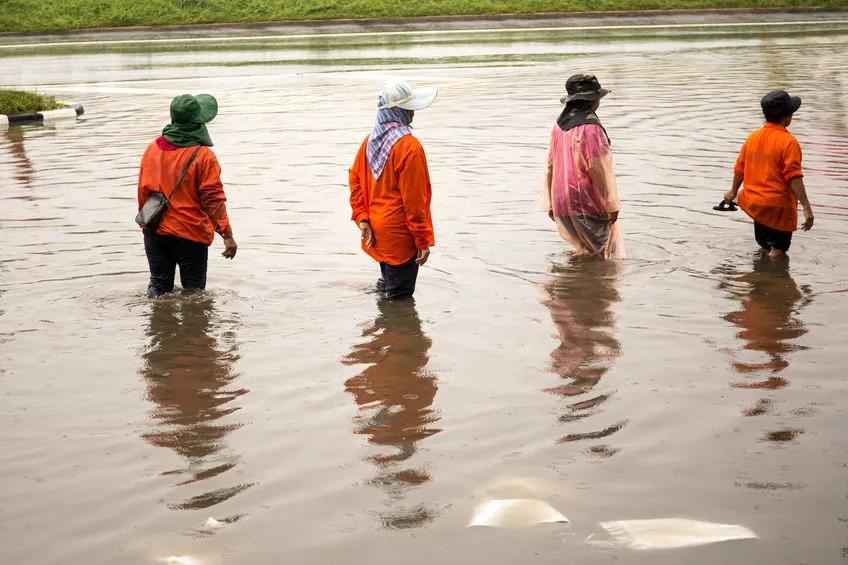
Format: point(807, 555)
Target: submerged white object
point(213, 524)
point(670, 533)
point(181, 560)
point(514, 513)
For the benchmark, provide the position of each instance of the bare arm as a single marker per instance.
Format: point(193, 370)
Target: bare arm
point(796, 184)
point(730, 196)
point(738, 174)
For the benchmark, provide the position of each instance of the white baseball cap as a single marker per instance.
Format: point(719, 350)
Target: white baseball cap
point(398, 94)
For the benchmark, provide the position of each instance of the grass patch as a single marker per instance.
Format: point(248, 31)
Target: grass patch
point(20, 102)
point(61, 15)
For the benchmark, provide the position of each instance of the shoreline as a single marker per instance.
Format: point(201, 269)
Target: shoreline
point(494, 22)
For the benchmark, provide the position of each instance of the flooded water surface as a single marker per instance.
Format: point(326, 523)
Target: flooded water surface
point(315, 424)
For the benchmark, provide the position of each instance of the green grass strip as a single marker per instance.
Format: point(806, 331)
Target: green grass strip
point(63, 15)
point(19, 102)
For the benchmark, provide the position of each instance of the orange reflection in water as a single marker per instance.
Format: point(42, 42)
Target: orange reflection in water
point(768, 320)
point(395, 395)
point(188, 369)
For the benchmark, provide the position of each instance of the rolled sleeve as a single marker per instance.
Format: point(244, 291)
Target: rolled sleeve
point(739, 167)
point(792, 161)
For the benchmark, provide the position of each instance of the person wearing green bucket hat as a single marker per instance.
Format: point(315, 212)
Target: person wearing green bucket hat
point(180, 168)
point(189, 116)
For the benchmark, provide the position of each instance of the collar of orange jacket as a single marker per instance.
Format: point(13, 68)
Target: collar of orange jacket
point(772, 125)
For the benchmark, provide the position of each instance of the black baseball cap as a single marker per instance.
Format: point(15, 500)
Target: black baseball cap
point(583, 87)
point(778, 103)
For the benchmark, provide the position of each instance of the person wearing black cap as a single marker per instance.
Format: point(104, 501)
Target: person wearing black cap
point(580, 189)
point(769, 171)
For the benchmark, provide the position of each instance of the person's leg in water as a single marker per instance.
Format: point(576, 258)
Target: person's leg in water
point(162, 263)
point(591, 232)
point(193, 259)
point(760, 234)
point(773, 241)
point(381, 282)
point(399, 280)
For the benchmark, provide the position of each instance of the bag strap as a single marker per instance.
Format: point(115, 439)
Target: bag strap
point(185, 170)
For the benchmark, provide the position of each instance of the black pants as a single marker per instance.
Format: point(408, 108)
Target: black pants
point(398, 281)
point(164, 253)
point(769, 238)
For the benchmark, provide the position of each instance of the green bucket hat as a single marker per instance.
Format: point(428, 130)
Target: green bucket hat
point(189, 116)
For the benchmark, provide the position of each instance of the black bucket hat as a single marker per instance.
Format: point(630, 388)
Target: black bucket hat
point(583, 87)
point(779, 103)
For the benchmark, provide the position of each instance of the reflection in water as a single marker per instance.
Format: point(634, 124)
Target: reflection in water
point(189, 372)
point(395, 394)
point(768, 321)
point(579, 297)
point(23, 166)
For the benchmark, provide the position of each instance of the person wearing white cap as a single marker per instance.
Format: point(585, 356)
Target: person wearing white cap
point(390, 191)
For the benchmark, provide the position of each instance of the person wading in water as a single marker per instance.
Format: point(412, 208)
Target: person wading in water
point(181, 164)
point(390, 191)
point(769, 166)
point(580, 191)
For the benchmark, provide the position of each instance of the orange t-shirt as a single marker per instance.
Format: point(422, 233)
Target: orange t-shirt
point(397, 204)
point(197, 208)
point(769, 159)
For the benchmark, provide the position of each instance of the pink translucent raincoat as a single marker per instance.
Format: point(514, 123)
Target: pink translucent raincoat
point(581, 191)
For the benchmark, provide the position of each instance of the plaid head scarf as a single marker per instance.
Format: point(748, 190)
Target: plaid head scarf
point(391, 125)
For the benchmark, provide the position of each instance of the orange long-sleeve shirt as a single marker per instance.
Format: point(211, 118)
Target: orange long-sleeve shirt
point(197, 208)
point(397, 205)
point(768, 160)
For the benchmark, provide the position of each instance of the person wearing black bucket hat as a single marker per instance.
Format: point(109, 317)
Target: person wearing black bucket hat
point(768, 171)
point(180, 168)
point(583, 87)
point(580, 191)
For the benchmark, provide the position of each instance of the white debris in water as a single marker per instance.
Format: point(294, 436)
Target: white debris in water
point(514, 513)
point(213, 524)
point(670, 533)
point(181, 560)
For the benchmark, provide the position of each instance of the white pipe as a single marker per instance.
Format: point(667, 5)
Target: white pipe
point(61, 114)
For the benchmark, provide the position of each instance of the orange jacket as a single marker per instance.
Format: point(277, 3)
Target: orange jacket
point(397, 204)
point(197, 208)
point(769, 159)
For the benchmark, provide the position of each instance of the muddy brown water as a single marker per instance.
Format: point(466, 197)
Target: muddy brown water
point(321, 426)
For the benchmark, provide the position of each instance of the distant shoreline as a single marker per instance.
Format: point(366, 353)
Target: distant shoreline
point(20, 25)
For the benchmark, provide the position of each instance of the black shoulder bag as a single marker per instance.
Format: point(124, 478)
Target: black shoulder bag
point(154, 207)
